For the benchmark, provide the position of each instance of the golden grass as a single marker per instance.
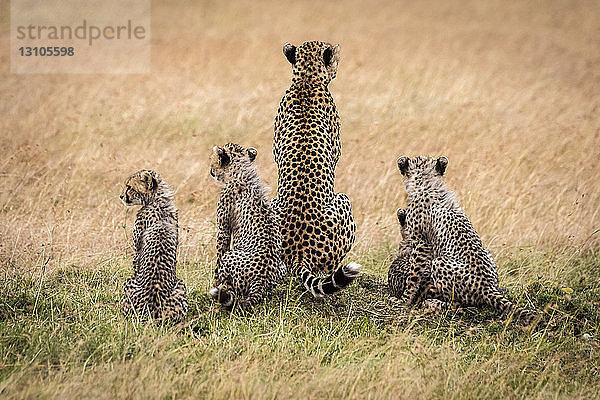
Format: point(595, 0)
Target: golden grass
point(510, 93)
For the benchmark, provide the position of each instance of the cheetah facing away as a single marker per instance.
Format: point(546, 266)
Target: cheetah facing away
point(462, 270)
point(409, 276)
point(154, 288)
point(317, 226)
point(248, 242)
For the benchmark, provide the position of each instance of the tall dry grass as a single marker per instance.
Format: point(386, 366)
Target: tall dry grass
point(509, 92)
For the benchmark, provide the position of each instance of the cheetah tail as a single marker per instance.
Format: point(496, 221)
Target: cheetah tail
point(340, 279)
point(223, 295)
point(501, 304)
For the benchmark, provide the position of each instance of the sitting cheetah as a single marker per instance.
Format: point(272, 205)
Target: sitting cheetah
point(249, 242)
point(317, 226)
point(153, 289)
point(462, 270)
point(409, 276)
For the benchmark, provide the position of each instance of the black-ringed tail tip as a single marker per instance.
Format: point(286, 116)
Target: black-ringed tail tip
point(338, 280)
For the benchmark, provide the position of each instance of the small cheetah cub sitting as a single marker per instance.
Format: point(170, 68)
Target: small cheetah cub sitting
point(153, 289)
point(249, 241)
point(409, 276)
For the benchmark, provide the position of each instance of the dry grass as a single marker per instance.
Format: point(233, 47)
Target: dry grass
point(509, 92)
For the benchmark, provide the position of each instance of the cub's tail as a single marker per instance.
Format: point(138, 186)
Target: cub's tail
point(500, 303)
point(223, 295)
point(338, 280)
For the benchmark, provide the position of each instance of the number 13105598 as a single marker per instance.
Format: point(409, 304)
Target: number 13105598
point(48, 51)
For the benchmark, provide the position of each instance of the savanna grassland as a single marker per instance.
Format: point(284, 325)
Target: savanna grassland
point(508, 91)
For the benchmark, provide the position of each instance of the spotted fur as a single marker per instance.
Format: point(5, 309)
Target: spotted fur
point(317, 226)
point(249, 242)
point(154, 288)
point(409, 276)
point(462, 270)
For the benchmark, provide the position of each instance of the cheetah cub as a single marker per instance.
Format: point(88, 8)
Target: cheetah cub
point(249, 242)
point(153, 289)
point(462, 270)
point(409, 276)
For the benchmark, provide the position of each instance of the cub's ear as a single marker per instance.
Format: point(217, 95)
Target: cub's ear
point(401, 213)
point(403, 165)
point(224, 158)
point(290, 52)
point(252, 153)
point(149, 180)
point(440, 165)
point(331, 54)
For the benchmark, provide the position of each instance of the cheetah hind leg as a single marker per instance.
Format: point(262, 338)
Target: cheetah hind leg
point(447, 276)
point(339, 218)
point(223, 294)
point(345, 222)
point(434, 306)
point(176, 306)
point(447, 281)
point(256, 294)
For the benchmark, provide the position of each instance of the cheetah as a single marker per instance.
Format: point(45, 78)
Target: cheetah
point(249, 242)
point(409, 276)
point(154, 288)
point(462, 270)
point(317, 226)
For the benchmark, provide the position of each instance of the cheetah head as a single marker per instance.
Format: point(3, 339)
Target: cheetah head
point(422, 168)
point(141, 188)
point(313, 60)
point(231, 161)
point(401, 214)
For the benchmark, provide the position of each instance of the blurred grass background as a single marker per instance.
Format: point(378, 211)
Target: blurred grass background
point(510, 92)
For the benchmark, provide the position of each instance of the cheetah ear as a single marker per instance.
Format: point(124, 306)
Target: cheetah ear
point(403, 165)
point(252, 153)
point(440, 165)
point(331, 55)
point(290, 52)
point(224, 158)
point(401, 213)
point(149, 180)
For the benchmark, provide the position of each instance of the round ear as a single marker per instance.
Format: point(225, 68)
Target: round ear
point(149, 180)
point(331, 54)
point(401, 213)
point(224, 158)
point(403, 165)
point(440, 165)
point(290, 52)
point(252, 153)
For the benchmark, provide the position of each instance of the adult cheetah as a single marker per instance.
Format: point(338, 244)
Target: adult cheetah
point(317, 226)
point(154, 288)
point(462, 270)
point(249, 242)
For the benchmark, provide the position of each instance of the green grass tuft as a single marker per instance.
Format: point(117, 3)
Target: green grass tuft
point(61, 334)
